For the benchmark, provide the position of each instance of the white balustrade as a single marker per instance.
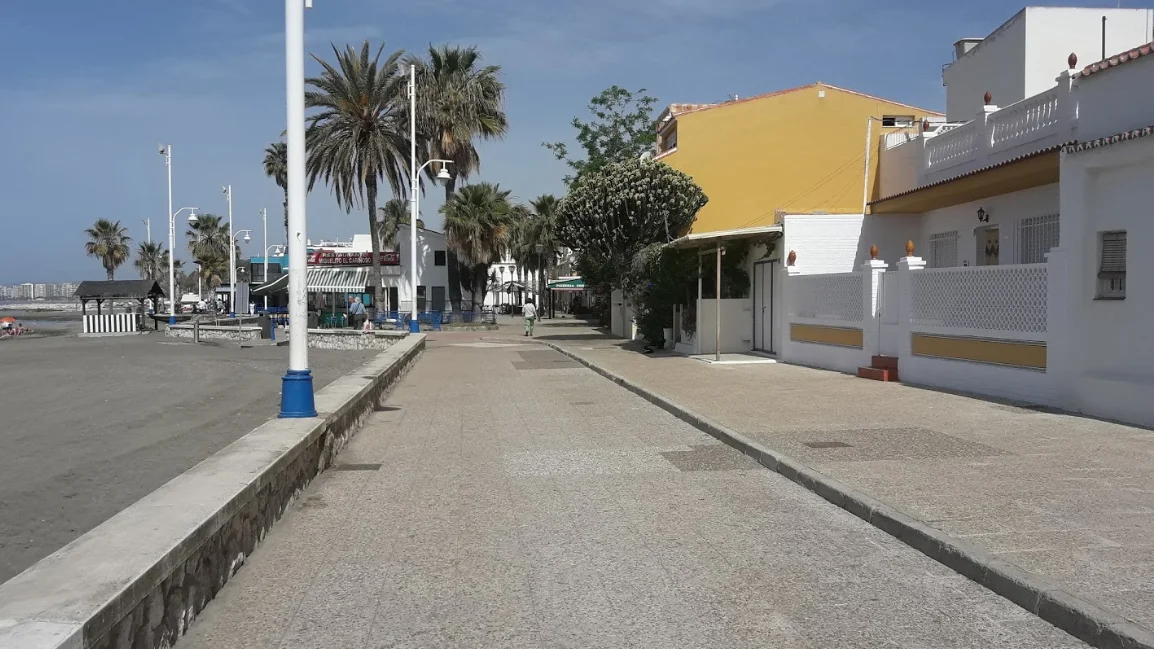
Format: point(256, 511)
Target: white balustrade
point(952, 147)
point(1023, 122)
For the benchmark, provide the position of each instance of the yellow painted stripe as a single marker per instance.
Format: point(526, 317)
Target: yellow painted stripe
point(825, 335)
point(1013, 353)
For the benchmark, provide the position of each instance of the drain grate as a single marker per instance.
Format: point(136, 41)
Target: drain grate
point(828, 445)
point(356, 467)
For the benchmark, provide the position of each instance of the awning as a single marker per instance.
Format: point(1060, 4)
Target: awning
point(323, 280)
point(568, 284)
point(710, 239)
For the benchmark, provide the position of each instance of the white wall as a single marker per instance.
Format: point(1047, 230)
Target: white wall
point(898, 167)
point(1029, 386)
point(1116, 100)
point(996, 65)
point(736, 326)
point(1004, 211)
point(1111, 349)
point(428, 274)
point(1023, 56)
point(889, 232)
point(824, 243)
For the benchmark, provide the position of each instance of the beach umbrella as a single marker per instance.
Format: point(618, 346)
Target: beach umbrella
point(7, 318)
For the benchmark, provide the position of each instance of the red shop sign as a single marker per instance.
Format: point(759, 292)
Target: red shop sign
point(339, 258)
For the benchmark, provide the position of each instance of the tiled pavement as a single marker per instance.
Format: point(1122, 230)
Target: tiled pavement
point(1068, 498)
point(524, 501)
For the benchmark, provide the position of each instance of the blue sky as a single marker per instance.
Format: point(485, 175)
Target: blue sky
point(90, 88)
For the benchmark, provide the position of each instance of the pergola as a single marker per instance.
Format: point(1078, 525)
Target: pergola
point(121, 289)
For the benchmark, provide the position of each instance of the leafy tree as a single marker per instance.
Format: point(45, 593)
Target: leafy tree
point(359, 133)
point(276, 167)
point(622, 129)
point(461, 101)
point(477, 223)
point(108, 241)
point(612, 214)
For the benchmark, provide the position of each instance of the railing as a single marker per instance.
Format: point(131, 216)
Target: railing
point(952, 147)
point(832, 297)
point(900, 137)
point(985, 299)
point(1025, 121)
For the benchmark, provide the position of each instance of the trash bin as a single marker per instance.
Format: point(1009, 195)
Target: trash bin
point(265, 326)
point(313, 320)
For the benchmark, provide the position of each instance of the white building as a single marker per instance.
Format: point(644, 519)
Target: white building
point(1026, 217)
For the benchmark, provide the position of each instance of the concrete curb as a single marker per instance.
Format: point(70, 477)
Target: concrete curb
point(1080, 618)
point(139, 579)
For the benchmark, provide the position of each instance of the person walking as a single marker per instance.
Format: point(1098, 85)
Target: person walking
point(356, 313)
point(530, 313)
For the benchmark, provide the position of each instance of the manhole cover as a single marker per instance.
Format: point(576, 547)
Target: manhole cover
point(356, 467)
point(828, 445)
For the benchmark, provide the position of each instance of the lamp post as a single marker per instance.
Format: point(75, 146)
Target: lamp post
point(264, 277)
point(192, 220)
point(232, 270)
point(297, 400)
point(500, 289)
point(148, 228)
point(414, 187)
point(266, 249)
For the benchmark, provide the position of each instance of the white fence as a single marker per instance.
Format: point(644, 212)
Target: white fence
point(835, 297)
point(1024, 121)
point(952, 147)
point(1009, 300)
point(109, 323)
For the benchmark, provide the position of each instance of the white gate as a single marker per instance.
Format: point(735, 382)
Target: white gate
point(889, 334)
point(765, 291)
point(109, 323)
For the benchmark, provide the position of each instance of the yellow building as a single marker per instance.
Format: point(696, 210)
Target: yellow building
point(797, 151)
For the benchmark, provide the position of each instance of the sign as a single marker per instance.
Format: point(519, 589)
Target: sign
point(340, 258)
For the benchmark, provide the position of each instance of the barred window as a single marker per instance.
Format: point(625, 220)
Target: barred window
point(1036, 236)
point(1112, 265)
point(944, 249)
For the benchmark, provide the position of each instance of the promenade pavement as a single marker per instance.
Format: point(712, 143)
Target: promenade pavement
point(505, 496)
point(1068, 498)
point(89, 426)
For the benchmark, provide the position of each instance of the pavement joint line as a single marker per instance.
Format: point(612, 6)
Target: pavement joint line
point(142, 577)
point(1083, 619)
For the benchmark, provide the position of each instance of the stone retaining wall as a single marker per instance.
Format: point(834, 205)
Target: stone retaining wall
point(351, 339)
point(138, 580)
point(213, 332)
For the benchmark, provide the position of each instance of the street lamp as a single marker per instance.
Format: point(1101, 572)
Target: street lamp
point(266, 249)
point(443, 174)
point(232, 269)
point(192, 220)
point(297, 400)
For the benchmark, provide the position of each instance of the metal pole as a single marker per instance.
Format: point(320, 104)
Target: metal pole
point(171, 241)
point(297, 387)
point(264, 278)
point(865, 192)
point(717, 311)
point(231, 258)
point(414, 324)
point(148, 229)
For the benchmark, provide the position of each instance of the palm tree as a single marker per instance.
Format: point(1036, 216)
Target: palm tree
point(108, 241)
point(276, 167)
point(460, 101)
point(151, 261)
point(359, 134)
point(208, 237)
point(477, 223)
point(544, 234)
point(392, 216)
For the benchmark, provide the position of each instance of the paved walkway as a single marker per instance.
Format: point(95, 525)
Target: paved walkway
point(507, 497)
point(1065, 497)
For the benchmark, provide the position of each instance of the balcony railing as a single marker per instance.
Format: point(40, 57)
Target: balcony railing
point(952, 148)
point(1028, 120)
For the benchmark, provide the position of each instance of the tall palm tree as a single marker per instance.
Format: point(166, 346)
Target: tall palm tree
point(391, 217)
point(276, 167)
point(359, 133)
point(461, 100)
point(108, 241)
point(208, 237)
point(151, 261)
point(537, 243)
point(477, 223)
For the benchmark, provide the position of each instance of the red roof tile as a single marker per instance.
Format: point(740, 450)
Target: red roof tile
point(1116, 60)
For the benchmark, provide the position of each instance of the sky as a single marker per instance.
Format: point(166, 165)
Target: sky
point(89, 88)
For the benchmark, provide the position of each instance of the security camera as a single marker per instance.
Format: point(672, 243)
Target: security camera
point(160, 149)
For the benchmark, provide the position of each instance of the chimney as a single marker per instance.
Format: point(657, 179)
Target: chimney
point(962, 47)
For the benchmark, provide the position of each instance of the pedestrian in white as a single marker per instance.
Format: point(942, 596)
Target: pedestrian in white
point(530, 312)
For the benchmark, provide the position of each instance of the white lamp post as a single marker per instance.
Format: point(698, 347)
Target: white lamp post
point(266, 249)
point(148, 228)
point(297, 398)
point(232, 270)
point(192, 220)
point(414, 188)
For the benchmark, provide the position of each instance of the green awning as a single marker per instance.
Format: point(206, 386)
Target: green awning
point(569, 284)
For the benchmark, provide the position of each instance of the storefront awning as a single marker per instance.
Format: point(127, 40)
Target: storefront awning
point(568, 284)
point(337, 280)
point(323, 280)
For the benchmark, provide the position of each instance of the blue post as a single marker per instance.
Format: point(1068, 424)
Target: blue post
point(415, 325)
point(171, 319)
point(296, 395)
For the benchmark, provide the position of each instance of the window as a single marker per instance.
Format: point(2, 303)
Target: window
point(669, 140)
point(1112, 265)
point(421, 299)
point(1036, 236)
point(897, 120)
point(944, 249)
point(439, 258)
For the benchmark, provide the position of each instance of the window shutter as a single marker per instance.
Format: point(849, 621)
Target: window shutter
point(1113, 252)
